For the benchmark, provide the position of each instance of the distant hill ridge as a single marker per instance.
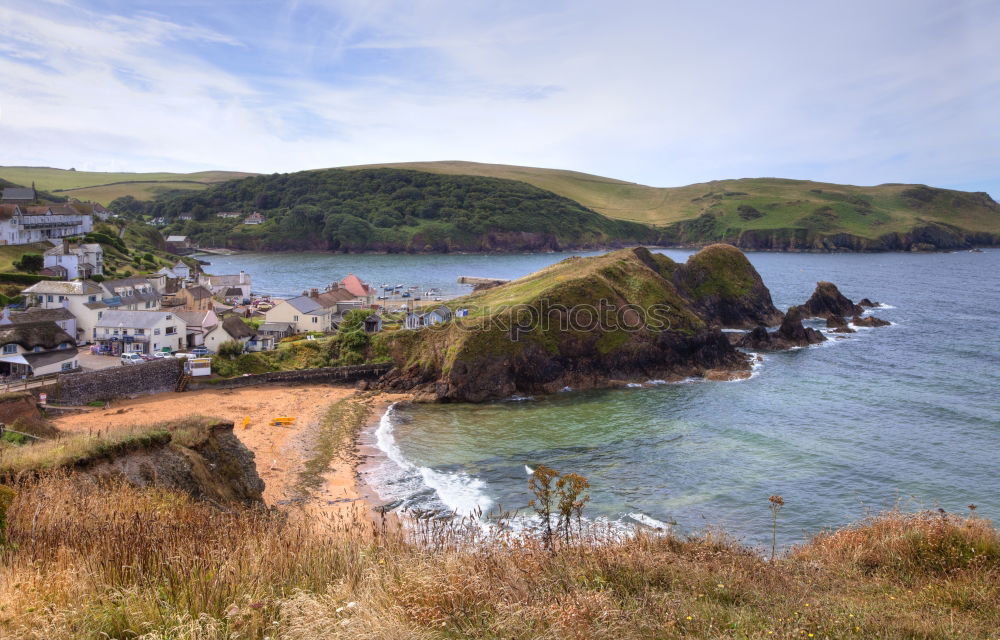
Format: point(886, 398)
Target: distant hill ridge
point(752, 213)
point(770, 213)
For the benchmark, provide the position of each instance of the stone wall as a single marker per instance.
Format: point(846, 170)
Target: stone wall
point(116, 382)
point(302, 376)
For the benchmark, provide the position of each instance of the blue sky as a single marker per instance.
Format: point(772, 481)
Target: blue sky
point(663, 93)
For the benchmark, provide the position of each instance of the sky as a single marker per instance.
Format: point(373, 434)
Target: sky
point(664, 93)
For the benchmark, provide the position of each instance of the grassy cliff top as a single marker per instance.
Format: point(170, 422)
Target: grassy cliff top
point(103, 187)
point(753, 203)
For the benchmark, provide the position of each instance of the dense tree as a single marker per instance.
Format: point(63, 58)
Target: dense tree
point(388, 210)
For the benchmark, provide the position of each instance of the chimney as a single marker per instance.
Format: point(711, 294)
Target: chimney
point(305, 294)
point(65, 246)
point(314, 294)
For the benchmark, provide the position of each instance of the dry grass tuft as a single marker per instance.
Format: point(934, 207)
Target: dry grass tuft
point(85, 560)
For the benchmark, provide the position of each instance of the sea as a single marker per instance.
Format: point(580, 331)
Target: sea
point(905, 416)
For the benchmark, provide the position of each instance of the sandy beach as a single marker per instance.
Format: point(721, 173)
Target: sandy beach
point(281, 452)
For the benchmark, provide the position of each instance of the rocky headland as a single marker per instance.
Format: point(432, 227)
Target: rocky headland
point(630, 315)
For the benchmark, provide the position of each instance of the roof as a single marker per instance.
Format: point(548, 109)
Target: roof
point(180, 263)
point(276, 327)
point(18, 193)
point(98, 208)
point(135, 281)
point(76, 287)
point(134, 319)
point(442, 311)
point(42, 315)
point(50, 357)
point(167, 272)
point(177, 238)
point(199, 292)
point(353, 284)
point(237, 328)
point(29, 335)
point(54, 209)
point(232, 292)
point(229, 280)
point(192, 318)
point(304, 304)
point(333, 296)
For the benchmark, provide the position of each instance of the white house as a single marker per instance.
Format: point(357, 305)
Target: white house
point(81, 297)
point(24, 224)
point(220, 285)
point(199, 325)
point(254, 218)
point(232, 328)
point(304, 313)
point(182, 270)
point(35, 348)
point(131, 294)
point(140, 331)
point(62, 316)
point(79, 260)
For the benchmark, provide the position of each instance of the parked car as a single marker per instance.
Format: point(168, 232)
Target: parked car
point(132, 358)
point(200, 351)
point(160, 355)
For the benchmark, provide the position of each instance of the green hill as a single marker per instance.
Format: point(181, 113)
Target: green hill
point(771, 213)
point(390, 210)
point(103, 187)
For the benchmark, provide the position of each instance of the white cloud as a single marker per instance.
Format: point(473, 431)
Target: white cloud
point(661, 94)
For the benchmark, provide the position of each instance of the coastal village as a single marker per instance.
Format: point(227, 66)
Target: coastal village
point(76, 319)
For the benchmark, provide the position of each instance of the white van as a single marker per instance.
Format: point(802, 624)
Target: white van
point(132, 358)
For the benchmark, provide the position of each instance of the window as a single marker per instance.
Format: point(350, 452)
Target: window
point(315, 319)
point(295, 318)
point(171, 331)
point(100, 314)
point(48, 298)
point(10, 348)
point(156, 332)
point(169, 317)
point(140, 332)
point(91, 298)
point(61, 298)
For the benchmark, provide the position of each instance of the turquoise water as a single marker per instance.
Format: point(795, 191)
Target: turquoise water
point(905, 414)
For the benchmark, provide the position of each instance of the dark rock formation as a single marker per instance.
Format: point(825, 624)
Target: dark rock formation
point(725, 288)
point(790, 334)
point(838, 324)
point(869, 321)
point(865, 302)
point(827, 301)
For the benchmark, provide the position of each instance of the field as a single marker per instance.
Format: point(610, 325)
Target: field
point(104, 187)
point(139, 190)
point(776, 203)
point(10, 253)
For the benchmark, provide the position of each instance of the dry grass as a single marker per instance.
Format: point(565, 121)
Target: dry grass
point(90, 561)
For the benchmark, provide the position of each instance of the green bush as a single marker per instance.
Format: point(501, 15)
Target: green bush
point(30, 262)
point(231, 349)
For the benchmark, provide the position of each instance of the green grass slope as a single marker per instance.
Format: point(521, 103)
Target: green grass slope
point(770, 213)
point(103, 187)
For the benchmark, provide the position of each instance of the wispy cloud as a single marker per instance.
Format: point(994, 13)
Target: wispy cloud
point(663, 93)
